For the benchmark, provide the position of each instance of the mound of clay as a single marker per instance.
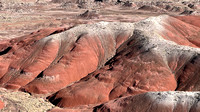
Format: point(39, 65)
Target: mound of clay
point(154, 102)
point(95, 63)
point(51, 63)
point(193, 20)
point(148, 55)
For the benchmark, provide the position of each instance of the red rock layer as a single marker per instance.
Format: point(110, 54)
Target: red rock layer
point(14, 53)
point(154, 102)
point(77, 57)
point(188, 76)
point(144, 56)
point(45, 65)
point(151, 101)
point(143, 63)
point(181, 32)
point(132, 71)
point(193, 20)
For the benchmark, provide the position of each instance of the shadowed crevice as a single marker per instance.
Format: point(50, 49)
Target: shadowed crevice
point(54, 100)
point(5, 51)
point(40, 75)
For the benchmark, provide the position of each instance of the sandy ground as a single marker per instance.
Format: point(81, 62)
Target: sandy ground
point(22, 102)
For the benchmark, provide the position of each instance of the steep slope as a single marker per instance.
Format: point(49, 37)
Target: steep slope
point(95, 63)
point(194, 20)
point(145, 57)
point(171, 101)
point(154, 102)
point(14, 52)
point(51, 63)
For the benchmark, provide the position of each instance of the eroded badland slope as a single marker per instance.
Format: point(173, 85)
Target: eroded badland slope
point(104, 56)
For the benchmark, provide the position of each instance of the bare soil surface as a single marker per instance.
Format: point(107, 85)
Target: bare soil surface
point(15, 101)
point(18, 18)
point(107, 55)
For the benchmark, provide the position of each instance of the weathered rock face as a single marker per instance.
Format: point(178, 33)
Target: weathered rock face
point(14, 54)
point(51, 63)
point(78, 68)
point(124, 74)
point(157, 54)
point(151, 101)
point(181, 32)
point(150, 54)
point(154, 102)
point(194, 20)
